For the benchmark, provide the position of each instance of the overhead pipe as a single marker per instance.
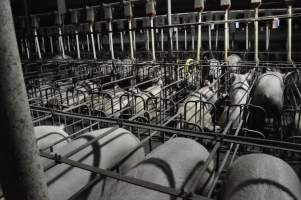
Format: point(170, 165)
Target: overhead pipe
point(256, 4)
point(75, 21)
point(199, 7)
point(21, 172)
point(226, 4)
point(151, 12)
point(109, 18)
point(91, 19)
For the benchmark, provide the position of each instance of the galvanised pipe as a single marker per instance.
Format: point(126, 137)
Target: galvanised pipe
point(267, 37)
point(199, 37)
point(147, 40)
point(111, 40)
point(21, 173)
point(209, 37)
point(51, 44)
point(153, 37)
point(247, 36)
point(134, 39)
point(256, 58)
point(131, 39)
point(37, 44)
point(77, 44)
point(177, 39)
point(226, 39)
point(162, 39)
point(121, 41)
point(61, 42)
point(169, 23)
point(289, 33)
point(92, 40)
point(185, 39)
point(216, 37)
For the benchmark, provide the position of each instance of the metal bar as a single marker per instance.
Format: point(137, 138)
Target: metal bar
point(61, 42)
point(169, 23)
point(153, 38)
point(226, 39)
point(121, 41)
point(37, 44)
point(289, 34)
point(111, 40)
point(77, 44)
point(267, 37)
point(256, 58)
point(51, 44)
point(185, 39)
point(209, 37)
point(93, 42)
point(131, 39)
point(21, 172)
point(162, 39)
point(199, 46)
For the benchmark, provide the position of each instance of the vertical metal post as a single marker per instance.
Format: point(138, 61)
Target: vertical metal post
point(134, 39)
point(209, 37)
point(21, 173)
point(162, 39)
point(88, 42)
point(77, 44)
point(185, 39)
point(169, 23)
point(226, 40)
point(289, 33)
point(198, 55)
point(267, 37)
point(68, 43)
point(192, 38)
point(177, 39)
point(111, 40)
point(256, 58)
point(98, 41)
point(43, 44)
point(51, 44)
point(153, 37)
point(147, 40)
point(121, 41)
point(216, 37)
point(61, 42)
point(93, 42)
point(131, 39)
point(37, 44)
point(247, 36)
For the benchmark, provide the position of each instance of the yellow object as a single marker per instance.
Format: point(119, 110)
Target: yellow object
point(188, 63)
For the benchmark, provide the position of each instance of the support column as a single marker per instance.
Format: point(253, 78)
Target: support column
point(226, 40)
point(199, 37)
point(153, 37)
point(289, 33)
point(21, 172)
point(77, 44)
point(131, 39)
point(256, 58)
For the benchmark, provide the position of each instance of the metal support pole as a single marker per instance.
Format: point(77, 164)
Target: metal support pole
point(93, 42)
point(121, 41)
point(77, 44)
point(162, 39)
point(21, 173)
point(256, 58)
point(98, 41)
point(51, 44)
point(88, 42)
point(68, 43)
point(153, 37)
point(185, 39)
point(37, 44)
point(198, 55)
point(209, 37)
point(131, 39)
point(226, 40)
point(61, 42)
point(247, 36)
point(192, 39)
point(177, 39)
point(134, 39)
point(147, 40)
point(169, 23)
point(111, 40)
point(289, 33)
point(43, 44)
point(267, 37)
point(216, 37)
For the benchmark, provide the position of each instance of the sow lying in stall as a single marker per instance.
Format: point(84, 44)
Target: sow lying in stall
point(172, 164)
point(261, 177)
point(111, 145)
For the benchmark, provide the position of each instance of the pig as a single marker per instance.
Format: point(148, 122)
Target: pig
point(261, 177)
point(194, 113)
point(171, 164)
point(268, 94)
point(239, 95)
point(215, 70)
point(49, 135)
point(64, 181)
point(233, 62)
